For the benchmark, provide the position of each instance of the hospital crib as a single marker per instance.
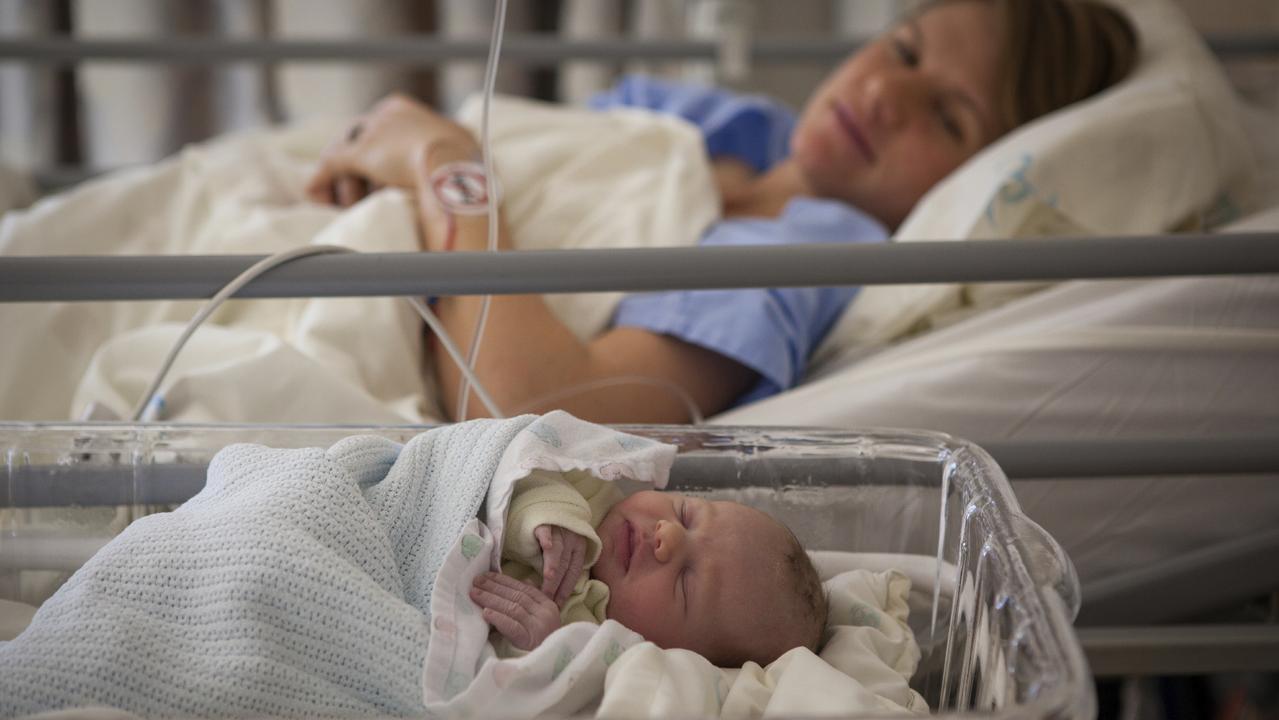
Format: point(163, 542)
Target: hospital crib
point(992, 595)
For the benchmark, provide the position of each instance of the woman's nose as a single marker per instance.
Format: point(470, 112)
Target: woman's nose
point(892, 95)
point(668, 541)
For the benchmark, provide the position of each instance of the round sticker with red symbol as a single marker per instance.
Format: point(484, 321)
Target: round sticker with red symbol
point(461, 188)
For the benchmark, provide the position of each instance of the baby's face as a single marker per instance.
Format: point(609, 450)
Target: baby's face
point(689, 573)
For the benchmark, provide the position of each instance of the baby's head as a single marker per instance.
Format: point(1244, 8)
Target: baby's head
point(716, 577)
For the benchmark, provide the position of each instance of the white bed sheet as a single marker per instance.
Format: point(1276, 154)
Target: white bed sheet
point(1172, 357)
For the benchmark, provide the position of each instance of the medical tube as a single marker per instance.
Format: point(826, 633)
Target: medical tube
point(227, 291)
point(265, 264)
point(490, 80)
point(276, 260)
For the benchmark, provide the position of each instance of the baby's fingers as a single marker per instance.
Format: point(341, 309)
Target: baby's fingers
point(552, 543)
point(519, 611)
point(508, 617)
point(576, 560)
point(511, 591)
point(512, 630)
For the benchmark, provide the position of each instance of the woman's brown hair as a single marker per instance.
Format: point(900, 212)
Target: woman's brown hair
point(1057, 52)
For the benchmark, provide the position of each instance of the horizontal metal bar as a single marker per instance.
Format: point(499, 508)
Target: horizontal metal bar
point(1240, 45)
point(56, 178)
point(1103, 458)
point(1181, 649)
point(101, 485)
point(528, 49)
point(89, 484)
point(64, 553)
point(151, 277)
point(531, 49)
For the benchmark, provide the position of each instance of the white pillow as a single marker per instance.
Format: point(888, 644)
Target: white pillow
point(1142, 157)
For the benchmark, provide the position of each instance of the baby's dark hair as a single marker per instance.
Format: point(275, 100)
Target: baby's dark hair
point(793, 610)
point(812, 605)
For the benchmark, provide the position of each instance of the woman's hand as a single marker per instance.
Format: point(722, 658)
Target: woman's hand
point(388, 146)
point(524, 615)
point(563, 555)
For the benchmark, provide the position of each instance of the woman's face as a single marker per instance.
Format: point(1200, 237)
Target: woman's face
point(904, 111)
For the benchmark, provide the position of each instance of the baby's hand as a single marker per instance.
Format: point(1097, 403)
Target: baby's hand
point(563, 555)
point(523, 614)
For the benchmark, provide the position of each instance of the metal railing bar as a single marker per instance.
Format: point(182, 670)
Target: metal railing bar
point(529, 49)
point(1180, 650)
point(1104, 458)
point(152, 277)
point(100, 483)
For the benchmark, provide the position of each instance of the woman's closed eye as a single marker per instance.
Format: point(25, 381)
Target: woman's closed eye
point(946, 118)
point(906, 52)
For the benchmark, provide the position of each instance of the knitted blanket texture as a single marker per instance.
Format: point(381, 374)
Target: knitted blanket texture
point(296, 583)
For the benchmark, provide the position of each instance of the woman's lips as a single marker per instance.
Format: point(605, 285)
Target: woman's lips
point(849, 125)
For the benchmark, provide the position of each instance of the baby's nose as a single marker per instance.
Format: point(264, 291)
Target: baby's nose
point(668, 540)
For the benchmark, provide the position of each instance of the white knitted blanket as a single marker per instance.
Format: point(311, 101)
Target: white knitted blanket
point(297, 583)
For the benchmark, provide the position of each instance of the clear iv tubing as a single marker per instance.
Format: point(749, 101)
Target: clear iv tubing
point(278, 259)
point(490, 80)
point(432, 321)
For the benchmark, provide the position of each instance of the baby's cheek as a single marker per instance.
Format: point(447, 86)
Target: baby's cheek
point(645, 616)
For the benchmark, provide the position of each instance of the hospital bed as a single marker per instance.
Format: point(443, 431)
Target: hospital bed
point(1172, 514)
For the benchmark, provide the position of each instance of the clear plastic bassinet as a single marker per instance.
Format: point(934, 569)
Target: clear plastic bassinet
point(1005, 649)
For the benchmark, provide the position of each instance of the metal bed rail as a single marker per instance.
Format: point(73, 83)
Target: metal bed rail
point(77, 278)
point(45, 485)
point(1180, 649)
point(530, 49)
point(734, 53)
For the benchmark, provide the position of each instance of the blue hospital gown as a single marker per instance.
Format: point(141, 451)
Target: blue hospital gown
point(772, 331)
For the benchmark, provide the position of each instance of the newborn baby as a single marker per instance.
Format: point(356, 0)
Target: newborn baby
point(716, 577)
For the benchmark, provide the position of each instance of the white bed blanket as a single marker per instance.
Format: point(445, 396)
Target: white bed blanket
point(570, 178)
point(304, 582)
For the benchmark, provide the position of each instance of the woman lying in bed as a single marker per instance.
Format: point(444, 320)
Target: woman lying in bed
point(887, 125)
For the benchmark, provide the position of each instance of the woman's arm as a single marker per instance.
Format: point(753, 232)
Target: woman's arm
point(528, 360)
